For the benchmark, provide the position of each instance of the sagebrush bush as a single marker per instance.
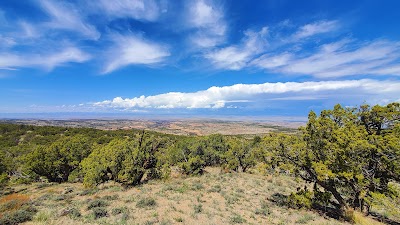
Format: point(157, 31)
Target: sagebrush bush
point(237, 219)
point(263, 210)
point(21, 215)
point(97, 203)
point(198, 208)
point(146, 202)
point(74, 213)
point(89, 191)
point(110, 197)
point(99, 212)
point(116, 211)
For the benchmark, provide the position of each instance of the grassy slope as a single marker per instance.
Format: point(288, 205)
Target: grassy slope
point(214, 198)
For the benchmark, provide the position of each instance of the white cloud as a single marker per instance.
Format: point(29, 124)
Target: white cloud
point(66, 17)
point(208, 21)
point(272, 62)
point(29, 30)
point(218, 97)
point(295, 54)
point(236, 57)
point(131, 49)
point(315, 28)
point(204, 14)
point(47, 61)
point(136, 9)
point(36, 45)
point(7, 42)
point(339, 59)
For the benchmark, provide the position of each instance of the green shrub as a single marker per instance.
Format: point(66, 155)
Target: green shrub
point(146, 202)
point(57, 160)
point(99, 212)
point(197, 186)
point(215, 188)
point(122, 160)
point(89, 191)
point(74, 213)
point(301, 199)
point(198, 208)
point(22, 180)
point(194, 166)
point(237, 219)
point(263, 210)
point(97, 203)
point(116, 211)
point(18, 216)
point(75, 176)
point(179, 219)
point(110, 197)
point(60, 197)
point(3, 180)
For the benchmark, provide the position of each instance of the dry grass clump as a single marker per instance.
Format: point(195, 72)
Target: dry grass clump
point(15, 209)
point(13, 202)
point(359, 218)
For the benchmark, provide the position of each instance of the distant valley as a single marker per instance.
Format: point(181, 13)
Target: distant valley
point(189, 127)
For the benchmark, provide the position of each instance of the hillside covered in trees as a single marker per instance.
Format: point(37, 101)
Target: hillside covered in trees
point(347, 158)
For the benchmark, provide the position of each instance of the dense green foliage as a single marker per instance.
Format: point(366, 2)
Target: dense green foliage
point(350, 155)
point(58, 160)
point(123, 160)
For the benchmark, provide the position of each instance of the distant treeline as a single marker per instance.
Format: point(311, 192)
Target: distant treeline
point(350, 155)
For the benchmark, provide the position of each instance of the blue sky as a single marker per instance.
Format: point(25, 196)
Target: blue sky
point(248, 58)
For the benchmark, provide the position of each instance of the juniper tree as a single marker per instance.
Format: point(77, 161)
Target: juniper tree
point(349, 153)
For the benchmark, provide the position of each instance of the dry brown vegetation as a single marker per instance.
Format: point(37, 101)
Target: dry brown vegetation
point(214, 198)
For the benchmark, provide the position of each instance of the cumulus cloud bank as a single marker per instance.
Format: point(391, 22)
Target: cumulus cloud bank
point(220, 97)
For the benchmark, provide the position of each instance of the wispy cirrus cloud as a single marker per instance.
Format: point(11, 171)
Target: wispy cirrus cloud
point(255, 43)
point(208, 21)
point(235, 57)
point(338, 59)
point(6, 42)
point(47, 61)
point(67, 17)
point(134, 50)
point(228, 96)
point(326, 58)
point(44, 44)
point(148, 10)
point(315, 49)
point(312, 29)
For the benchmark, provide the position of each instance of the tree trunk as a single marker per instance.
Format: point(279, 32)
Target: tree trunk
point(329, 187)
